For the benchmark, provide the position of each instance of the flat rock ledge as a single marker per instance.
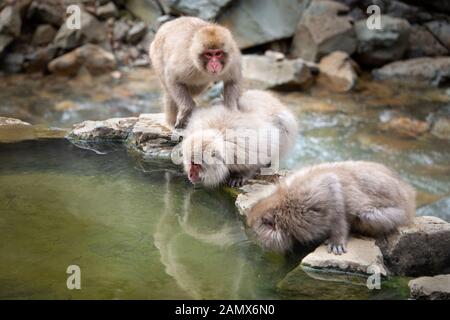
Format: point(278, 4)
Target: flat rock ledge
point(363, 257)
point(152, 136)
point(147, 133)
point(106, 130)
point(12, 122)
point(431, 288)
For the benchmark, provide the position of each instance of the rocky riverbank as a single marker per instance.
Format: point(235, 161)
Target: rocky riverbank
point(305, 41)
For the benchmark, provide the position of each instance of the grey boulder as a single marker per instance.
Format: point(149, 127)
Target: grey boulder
point(10, 21)
point(255, 22)
point(420, 249)
point(270, 72)
point(425, 70)
point(91, 31)
point(94, 58)
point(379, 46)
point(322, 30)
point(204, 9)
point(44, 34)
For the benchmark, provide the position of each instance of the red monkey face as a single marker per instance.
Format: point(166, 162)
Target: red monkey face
point(214, 60)
point(194, 173)
point(203, 159)
point(212, 50)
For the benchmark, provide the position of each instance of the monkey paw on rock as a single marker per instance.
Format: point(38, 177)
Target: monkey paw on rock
point(336, 247)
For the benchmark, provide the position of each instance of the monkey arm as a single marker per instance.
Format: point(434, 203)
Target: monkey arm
point(180, 94)
point(231, 94)
point(337, 241)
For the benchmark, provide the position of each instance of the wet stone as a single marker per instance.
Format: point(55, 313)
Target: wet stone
point(111, 129)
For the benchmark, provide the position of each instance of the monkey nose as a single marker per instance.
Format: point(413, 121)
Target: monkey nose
point(216, 67)
point(194, 178)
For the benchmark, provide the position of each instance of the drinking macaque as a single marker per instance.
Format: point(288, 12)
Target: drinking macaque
point(327, 201)
point(232, 145)
point(188, 54)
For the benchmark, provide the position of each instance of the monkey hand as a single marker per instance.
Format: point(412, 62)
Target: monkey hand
point(182, 118)
point(336, 247)
point(180, 125)
point(177, 135)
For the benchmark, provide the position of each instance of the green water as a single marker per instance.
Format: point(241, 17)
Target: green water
point(136, 230)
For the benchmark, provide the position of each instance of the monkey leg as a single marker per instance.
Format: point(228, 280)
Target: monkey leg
point(231, 94)
point(337, 243)
point(170, 109)
point(183, 117)
point(184, 102)
point(379, 221)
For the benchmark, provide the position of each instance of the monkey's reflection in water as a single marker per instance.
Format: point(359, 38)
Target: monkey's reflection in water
point(201, 248)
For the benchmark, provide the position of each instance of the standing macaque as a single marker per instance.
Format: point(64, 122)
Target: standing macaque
point(188, 54)
point(232, 145)
point(327, 201)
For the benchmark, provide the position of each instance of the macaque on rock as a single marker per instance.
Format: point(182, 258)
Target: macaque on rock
point(223, 145)
point(327, 201)
point(188, 54)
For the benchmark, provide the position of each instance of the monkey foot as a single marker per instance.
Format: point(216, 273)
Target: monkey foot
point(336, 248)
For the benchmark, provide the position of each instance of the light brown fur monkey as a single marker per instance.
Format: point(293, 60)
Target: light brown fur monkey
point(188, 54)
point(327, 201)
point(221, 133)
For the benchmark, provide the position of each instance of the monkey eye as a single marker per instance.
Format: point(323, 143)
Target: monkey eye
point(268, 222)
point(214, 54)
point(315, 209)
